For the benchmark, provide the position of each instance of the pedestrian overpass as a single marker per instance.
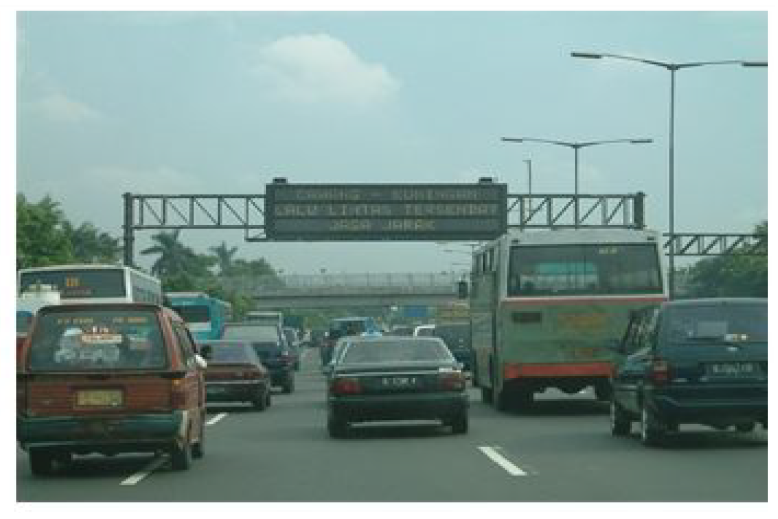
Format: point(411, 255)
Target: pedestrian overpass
point(299, 291)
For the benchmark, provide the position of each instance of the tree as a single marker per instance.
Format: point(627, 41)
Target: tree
point(740, 274)
point(40, 236)
point(224, 258)
point(90, 245)
point(178, 266)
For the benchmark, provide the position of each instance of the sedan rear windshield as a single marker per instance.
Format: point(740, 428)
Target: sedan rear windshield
point(225, 353)
point(367, 352)
point(97, 340)
point(258, 333)
point(717, 323)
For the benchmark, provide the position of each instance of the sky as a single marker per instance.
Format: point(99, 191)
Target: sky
point(222, 102)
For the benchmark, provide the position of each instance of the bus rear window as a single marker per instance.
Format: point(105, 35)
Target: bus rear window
point(75, 284)
point(594, 269)
point(193, 313)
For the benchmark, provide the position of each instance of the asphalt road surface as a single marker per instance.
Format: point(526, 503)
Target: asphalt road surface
point(561, 451)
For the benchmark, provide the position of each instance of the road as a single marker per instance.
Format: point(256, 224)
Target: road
point(561, 451)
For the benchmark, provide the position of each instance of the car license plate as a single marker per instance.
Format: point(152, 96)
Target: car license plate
point(733, 369)
point(99, 398)
point(399, 382)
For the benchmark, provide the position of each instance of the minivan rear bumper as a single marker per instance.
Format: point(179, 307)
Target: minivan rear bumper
point(143, 432)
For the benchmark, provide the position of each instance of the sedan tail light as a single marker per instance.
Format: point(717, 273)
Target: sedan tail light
point(346, 386)
point(660, 372)
point(452, 381)
point(252, 374)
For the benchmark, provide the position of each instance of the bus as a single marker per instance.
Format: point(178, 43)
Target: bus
point(93, 283)
point(257, 316)
point(545, 306)
point(204, 315)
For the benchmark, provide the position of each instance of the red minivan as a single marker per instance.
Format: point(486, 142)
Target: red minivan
point(109, 379)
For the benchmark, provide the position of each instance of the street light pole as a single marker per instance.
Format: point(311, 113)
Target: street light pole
point(673, 68)
point(577, 146)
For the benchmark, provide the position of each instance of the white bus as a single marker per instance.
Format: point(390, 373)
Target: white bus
point(93, 283)
point(545, 305)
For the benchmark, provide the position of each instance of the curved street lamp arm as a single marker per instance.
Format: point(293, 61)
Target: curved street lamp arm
point(613, 141)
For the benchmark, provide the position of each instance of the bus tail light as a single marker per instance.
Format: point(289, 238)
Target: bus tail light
point(346, 386)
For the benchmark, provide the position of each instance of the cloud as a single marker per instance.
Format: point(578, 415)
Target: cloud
point(316, 68)
point(59, 107)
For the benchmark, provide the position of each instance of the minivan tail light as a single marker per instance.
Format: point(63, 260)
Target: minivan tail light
point(660, 371)
point(178, 393)
point(346, 386)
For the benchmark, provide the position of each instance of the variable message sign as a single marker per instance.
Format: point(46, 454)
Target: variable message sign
point(439, 212)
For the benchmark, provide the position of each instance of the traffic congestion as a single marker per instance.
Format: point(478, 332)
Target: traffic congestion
point(386, 257)
point(122, 370)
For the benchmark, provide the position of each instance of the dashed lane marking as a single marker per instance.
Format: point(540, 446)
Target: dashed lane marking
point(215, 418)
point(500, 460)
point(138, 476)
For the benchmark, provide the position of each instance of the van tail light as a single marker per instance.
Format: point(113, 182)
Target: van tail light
point(452, 381)
point(346, 386)
point(178, 393)
point(660, 372)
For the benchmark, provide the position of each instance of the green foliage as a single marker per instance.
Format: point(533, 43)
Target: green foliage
point(742, 274)
point(41, 238)
point(178, 266)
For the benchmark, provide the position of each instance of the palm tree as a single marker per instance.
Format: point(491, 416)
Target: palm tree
point(224, 257)
point(172, 254)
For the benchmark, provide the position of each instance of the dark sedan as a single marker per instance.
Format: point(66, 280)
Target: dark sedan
point(270, 346)
point(396, 378)
point(235, 374)
point(692, 362)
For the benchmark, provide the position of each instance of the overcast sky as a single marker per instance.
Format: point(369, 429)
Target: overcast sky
point(223, 102)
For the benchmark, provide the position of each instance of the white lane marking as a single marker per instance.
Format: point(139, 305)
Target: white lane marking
point(215, 418)
point(151, 467)
point(496, 457)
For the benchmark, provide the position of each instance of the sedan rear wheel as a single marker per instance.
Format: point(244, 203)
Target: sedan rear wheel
point(289, 384)
point(260, 400)
point(336, 428)
point(460, 424)
point(620, 422)
point(41, 462)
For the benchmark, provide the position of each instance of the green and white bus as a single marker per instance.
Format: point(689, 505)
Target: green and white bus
point(545, 304)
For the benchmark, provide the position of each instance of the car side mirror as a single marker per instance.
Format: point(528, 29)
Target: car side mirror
point(206, 352)
point(462, 289)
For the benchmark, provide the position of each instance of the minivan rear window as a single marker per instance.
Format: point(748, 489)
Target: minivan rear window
point(716, 323)
point(97, 340)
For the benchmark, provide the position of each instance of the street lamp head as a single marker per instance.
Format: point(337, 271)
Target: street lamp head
point(641, 141)
point(754, 63)
point(586, 55)
point(512, 139)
